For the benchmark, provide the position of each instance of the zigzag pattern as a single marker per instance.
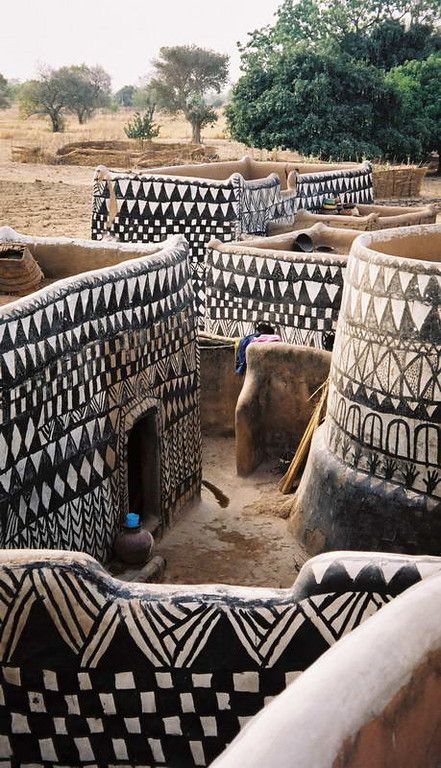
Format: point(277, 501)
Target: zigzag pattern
point(158, 677)
point(152, 207)
point(338, 616)
point(385, 396)
point(298, 295)
point(354, 186)
point(75, 364)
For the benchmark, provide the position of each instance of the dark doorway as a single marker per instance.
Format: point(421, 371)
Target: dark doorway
point(143, 470)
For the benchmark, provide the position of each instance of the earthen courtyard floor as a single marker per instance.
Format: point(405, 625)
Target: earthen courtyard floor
point(244, 542)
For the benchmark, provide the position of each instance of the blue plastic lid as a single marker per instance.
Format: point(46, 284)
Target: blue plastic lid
point(132, 520)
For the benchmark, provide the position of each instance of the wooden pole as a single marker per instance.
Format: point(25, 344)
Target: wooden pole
point(301, 453)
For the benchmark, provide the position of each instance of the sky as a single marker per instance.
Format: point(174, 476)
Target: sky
point(121, 35)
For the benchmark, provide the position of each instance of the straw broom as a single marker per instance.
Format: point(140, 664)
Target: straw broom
point(288, 480)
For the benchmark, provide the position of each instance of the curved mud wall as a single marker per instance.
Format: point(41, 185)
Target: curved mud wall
point(80, 362)
point(298, 294)
point(277, 400)
point(374, 472)
point(149, 207)
point(371, 701)
point(104, 673)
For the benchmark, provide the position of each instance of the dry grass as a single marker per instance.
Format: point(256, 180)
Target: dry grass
point(42, 199)
point(105, 126)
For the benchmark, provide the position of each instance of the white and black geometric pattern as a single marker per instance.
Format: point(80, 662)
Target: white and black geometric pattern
point(352, 186)
point(97, 672)
point(384, 407)
point(80, 361)
point(149, 208)
point(298, 294)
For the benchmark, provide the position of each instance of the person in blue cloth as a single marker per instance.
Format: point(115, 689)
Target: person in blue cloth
point(241, 360)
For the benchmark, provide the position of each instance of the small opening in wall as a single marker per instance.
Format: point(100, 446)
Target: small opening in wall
point(143, 470)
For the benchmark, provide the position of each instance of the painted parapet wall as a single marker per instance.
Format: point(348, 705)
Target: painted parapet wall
point(151, 207)
point(352, 185)
point(81, 361)
point(216, 200)
point(101, 672)
point(372, 700)
point(264, 280)
point(374, 471)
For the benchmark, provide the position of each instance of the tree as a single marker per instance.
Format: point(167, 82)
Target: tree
point(321, 104)
point(85, 89)
point(45, 96)
point(183, 76)
point(124, 97)
point(4, 93)
point(146, 98)
point(316, 81)
point(325, 23)
point(419, 84)
point(391, 43)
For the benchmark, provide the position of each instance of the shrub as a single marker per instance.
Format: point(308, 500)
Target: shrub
point(141, 127)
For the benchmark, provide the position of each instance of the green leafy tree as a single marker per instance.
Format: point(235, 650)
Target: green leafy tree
point(146, 98)
point(85, 89)
point(316, 80)
point(323, 104)
point(13, 89)
point(4, 93)
point(326, 23)
point(183, 76)
point(45, 96)
point(419, 85)
point(392, 42)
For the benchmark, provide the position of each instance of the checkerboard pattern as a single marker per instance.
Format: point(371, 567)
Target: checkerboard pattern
point(152, 207)
point(101, 673)
point(175, 718)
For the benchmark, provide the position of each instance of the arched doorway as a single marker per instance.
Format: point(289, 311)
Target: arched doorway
point(143, 470)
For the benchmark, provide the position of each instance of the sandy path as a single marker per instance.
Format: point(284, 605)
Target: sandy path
point(237, 544)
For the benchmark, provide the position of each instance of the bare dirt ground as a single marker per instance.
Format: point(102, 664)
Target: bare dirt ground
point(56, 199)
point(243, 542)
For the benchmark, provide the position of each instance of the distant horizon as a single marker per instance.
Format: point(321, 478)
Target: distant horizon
point(55, 33)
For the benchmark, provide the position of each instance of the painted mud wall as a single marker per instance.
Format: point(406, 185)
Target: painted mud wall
point(373, 474)
point(298, 294)
point(151, 207)
point(80, 362)
point(98, 672)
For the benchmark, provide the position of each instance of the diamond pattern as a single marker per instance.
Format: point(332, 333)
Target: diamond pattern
point(385, 394)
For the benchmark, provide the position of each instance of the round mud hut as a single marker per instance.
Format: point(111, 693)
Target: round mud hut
point(373, 476)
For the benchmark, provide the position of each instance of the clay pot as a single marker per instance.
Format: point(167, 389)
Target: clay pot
point(133, 544)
